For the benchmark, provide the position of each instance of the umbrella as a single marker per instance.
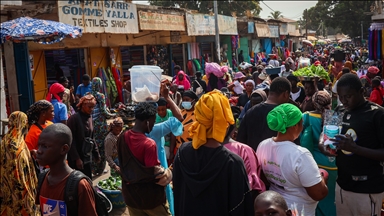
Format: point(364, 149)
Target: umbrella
point(41, 31)
point(307, 42)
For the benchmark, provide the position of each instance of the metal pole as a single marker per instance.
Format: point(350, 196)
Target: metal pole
point(362, 33)
point(306, 24)
point(217, 38)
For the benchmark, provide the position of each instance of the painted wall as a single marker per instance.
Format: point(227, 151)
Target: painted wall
point(245, 48)
point(39, 75)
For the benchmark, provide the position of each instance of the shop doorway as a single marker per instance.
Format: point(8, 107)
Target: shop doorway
point(130, 56)
point(68, 62)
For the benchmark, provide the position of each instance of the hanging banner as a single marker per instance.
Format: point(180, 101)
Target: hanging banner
point(202, 24)
point(99, 16)
point(251, 27)
point(161, 22)
point(274, 31)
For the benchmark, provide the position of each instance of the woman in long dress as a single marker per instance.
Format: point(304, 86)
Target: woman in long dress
point(18, 179)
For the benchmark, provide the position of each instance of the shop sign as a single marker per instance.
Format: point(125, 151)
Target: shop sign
point(99, 16)
point(227, 25)
point(200, 24)
point(274, 31)
point(175, 37)
point(251, 27)
point(204, 25)
point(284, 29)
point(161, 22)
point(13, 2)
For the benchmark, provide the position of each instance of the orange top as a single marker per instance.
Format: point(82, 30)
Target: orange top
point(341, 74)
point(34, 134)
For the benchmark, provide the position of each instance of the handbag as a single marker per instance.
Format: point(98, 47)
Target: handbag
point(88, 143)
point(199, 89)
point(306, 138)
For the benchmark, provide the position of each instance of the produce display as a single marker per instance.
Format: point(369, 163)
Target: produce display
point(312, 72)
point(111, 183)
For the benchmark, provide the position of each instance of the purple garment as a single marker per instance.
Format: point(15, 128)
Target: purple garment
point(220, 84)
point(251, 164)
point(370, 42)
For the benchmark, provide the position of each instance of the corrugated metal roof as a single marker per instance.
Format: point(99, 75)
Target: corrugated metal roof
point(262, 30)
point(286, 20)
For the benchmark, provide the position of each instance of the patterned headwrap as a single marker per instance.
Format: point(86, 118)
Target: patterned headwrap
point(35, 110)
point(96, 85)
point(88, 98)
point(116, 122)
point(54, 90)
point(322, 101)
point(18, 122)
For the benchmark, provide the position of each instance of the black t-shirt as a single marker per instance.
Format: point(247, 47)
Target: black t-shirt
point(254, 128)
point(301, 97)
point(243, 99)
point(202, 84)
point(366, 125)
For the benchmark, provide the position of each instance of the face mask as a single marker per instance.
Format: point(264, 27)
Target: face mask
point(187, 105)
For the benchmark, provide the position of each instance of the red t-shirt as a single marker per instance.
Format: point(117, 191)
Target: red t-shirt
point(376, 96)
point(52, 198)
point(143, 148)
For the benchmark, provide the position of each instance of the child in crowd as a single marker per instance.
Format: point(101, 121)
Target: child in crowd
point(377, 92)
point(163, 114)
point(54, 144)
point(271, 203)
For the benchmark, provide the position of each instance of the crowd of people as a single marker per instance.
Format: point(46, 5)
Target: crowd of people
point(219, 143)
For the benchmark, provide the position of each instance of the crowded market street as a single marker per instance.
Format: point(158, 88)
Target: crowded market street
point(192, 108)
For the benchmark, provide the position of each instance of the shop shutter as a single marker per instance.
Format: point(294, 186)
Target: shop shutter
point(39, 75)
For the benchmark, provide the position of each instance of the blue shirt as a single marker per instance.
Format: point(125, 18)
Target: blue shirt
point(172, 125)
point(82, 90)
point(60, 110)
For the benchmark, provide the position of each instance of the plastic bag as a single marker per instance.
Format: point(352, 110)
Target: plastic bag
point(331, 127)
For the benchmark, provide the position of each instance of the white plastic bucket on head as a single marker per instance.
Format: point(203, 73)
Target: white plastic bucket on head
point(145, 83)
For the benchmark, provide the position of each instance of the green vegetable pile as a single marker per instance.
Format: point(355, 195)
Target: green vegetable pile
point(312, 71)
point(111, 183)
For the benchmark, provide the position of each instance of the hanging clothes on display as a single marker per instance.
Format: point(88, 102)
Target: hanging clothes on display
point(370, 44)
point(119, 85)
point(378, 47)
point(104, 78)
point(111, 87)
point(376, 41)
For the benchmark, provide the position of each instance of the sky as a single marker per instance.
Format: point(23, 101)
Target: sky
point(290, 9)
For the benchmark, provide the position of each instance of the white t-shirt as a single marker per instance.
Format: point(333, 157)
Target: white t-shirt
point(334, 90)
point(296, 95)
point(238, 89)
point(290, 168)
point(274, 63)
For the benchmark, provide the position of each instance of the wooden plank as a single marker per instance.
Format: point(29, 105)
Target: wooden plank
point(11, 76)
point(39, 75)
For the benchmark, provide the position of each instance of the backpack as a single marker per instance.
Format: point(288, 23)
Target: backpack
point(71, 193)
